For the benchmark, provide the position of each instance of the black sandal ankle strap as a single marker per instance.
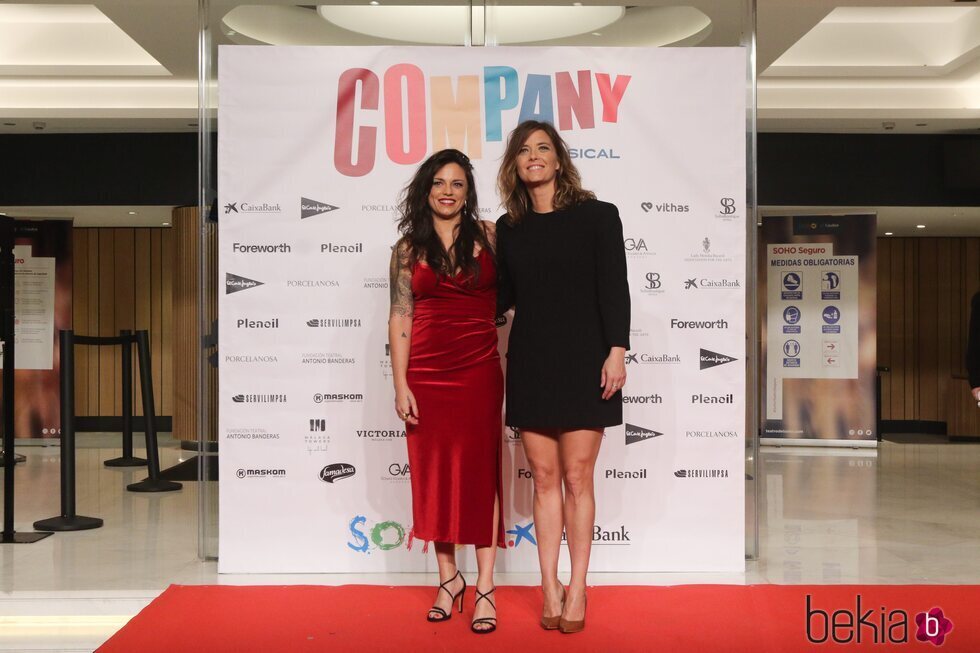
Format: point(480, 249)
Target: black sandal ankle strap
point(485, 595)
point(443, 587)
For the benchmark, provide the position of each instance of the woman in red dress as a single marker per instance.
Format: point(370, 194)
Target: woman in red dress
point(446, 369)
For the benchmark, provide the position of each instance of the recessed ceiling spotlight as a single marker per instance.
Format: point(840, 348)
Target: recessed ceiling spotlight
point(888, 233)
point(374, 3)
point(576, 4)
point(132, 212)
point(164, 224)
point(920, 226)
point(596, 33)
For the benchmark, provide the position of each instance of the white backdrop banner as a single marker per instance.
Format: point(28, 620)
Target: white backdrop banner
point(315, 145)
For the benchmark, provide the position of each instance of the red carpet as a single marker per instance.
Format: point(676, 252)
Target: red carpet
point(701, 618)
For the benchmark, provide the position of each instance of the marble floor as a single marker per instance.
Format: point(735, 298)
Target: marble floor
point(904, 513)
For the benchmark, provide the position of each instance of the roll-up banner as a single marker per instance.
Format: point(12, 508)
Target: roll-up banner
point(819, 346)
point(42, 306)
point(315, 145)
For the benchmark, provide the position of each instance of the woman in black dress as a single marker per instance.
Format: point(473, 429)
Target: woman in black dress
point(562, 267)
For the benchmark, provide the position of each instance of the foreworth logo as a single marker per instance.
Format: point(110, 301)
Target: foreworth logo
point(713, 359)
point(235, 283)
point(335, 472)
point(309, 208)
point(636, 434)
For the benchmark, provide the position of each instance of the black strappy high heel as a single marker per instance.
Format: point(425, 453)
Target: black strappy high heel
point(491, 621)
point(442, 614)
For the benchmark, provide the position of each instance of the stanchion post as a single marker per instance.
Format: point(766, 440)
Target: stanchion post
point(127, 459)
point(154, 483)
point(68, 520)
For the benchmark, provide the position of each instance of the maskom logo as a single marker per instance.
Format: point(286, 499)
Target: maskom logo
point(711, 359)
point(260, 473)
point(336, 397)
point(309, 208)
point(235, 283)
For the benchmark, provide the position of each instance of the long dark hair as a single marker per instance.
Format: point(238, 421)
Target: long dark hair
point(417, 226)
point(513, 192)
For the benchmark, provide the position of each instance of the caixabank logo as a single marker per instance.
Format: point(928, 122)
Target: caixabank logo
point(874, 624)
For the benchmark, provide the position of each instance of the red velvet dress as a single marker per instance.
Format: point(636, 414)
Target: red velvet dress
point(454, 373)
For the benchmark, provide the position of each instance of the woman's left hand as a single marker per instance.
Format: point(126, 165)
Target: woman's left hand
point(613, 372)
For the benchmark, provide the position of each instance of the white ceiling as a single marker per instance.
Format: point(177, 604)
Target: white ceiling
point(824, 65)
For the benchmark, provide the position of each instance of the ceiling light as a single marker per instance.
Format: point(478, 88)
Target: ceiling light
point(448, 25)
point(888, 233)
point(596, 33)
point(920, 226)
point(164, 224)
point(374, 3)
point(576, 4)
point(132, 212)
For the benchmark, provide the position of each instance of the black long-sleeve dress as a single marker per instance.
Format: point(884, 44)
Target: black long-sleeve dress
point(565, 275)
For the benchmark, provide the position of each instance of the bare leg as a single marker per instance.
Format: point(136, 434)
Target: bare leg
point(486, 557)
point(542, 456)
point(446, 557)
point(578, 451)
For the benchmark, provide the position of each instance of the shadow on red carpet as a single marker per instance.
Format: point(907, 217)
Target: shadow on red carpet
point(701, 618)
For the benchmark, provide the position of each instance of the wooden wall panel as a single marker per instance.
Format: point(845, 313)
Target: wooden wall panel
point(118, 285)
point(924, 286)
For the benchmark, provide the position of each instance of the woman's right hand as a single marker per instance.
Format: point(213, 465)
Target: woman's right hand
point(405, 406)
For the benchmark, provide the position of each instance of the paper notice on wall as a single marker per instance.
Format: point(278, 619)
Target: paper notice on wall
point(34, 282)
point(813, 317)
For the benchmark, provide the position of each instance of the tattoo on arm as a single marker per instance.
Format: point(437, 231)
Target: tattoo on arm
point(400, 283)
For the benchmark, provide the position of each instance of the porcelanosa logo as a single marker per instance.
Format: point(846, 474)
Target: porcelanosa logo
point(708, 434)
point(257, 359)
point(876, 624)
point(711, 359)
point(636, 434)
point(336, 472)
point(235, 283)
point(252, 207)
point(310, 208)
point(312, 283)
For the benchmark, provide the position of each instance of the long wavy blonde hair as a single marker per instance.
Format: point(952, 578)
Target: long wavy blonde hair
point(513, 192)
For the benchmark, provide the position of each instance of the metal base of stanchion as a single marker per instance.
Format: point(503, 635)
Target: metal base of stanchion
point(149, 485)
point(18, 457)
point(123, 461)
point(76, 523)
point(30, 537)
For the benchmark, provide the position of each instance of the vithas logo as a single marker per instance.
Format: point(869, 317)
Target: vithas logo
point(714, 359)
point(235, 283)
point(309, 208)
point(636, 434)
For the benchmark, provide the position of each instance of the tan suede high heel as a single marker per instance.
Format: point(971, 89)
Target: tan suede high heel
point(569, 627)
point(552, 623)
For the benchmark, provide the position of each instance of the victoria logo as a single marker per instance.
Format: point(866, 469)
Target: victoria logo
point(310, 208)
point(235, 283)
point(714, 359)
point(336, 472)
point(636, 434)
